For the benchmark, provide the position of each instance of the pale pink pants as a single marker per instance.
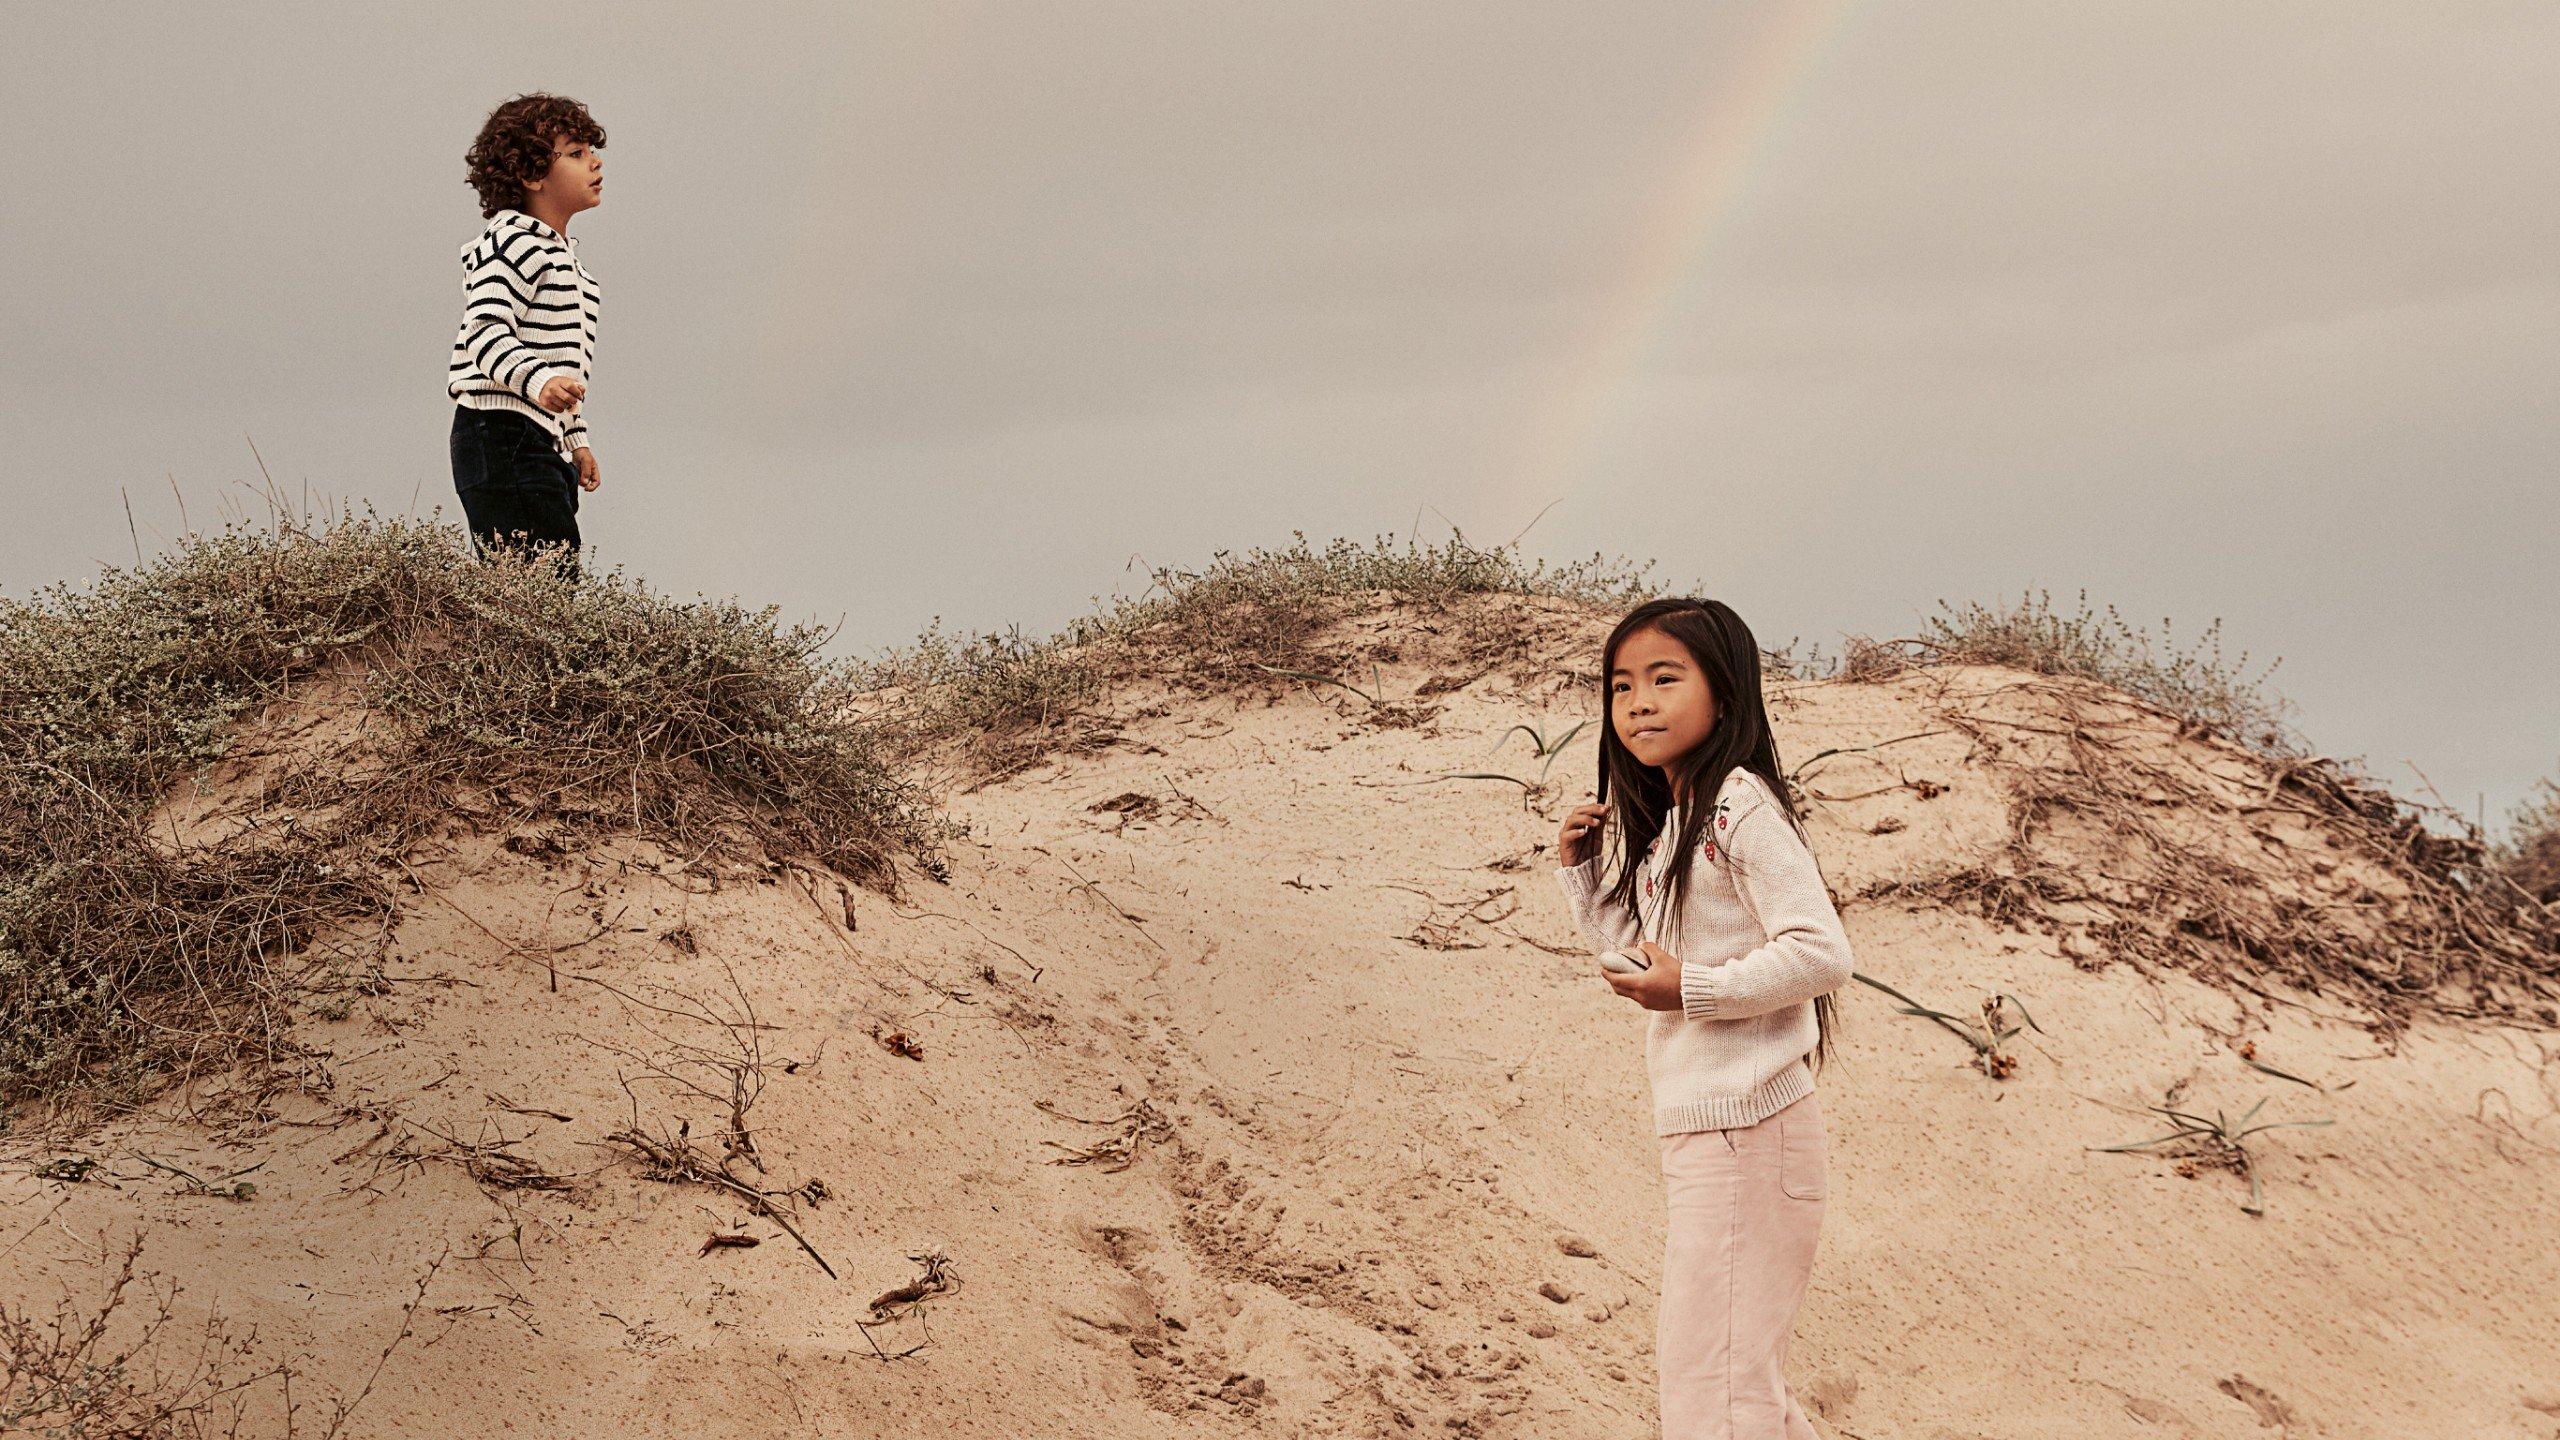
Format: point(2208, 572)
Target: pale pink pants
point(1745, 1215)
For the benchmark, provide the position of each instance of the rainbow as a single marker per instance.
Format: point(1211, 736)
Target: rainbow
point(1744, 113)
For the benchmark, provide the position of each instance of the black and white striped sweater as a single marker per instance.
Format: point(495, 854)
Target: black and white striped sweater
point(528, 315)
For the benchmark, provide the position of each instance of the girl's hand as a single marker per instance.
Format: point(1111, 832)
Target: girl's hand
point(1580, 838)
point(1658, 988)
point(589, 475)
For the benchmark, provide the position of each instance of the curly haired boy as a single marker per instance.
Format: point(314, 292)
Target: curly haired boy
point(521, 361)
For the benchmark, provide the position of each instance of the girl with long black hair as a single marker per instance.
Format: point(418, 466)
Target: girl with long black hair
point(1715, 919)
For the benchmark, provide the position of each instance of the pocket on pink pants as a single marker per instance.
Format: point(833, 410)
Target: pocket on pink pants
point(1800, 1160)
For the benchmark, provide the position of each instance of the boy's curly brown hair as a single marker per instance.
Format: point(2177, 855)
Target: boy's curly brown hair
point(514, 146)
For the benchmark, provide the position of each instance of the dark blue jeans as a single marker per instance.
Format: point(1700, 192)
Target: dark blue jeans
point(518, 491)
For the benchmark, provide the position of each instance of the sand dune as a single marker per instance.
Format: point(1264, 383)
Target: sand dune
point(1246, 1078)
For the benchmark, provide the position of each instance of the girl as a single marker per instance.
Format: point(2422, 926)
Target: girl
point(1718, 900)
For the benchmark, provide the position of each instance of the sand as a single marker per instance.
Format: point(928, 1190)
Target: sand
point(1374, 1122)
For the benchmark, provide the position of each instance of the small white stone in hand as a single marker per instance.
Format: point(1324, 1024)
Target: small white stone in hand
point(1624, 962)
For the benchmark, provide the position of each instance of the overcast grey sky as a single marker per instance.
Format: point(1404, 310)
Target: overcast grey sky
point(949, 309)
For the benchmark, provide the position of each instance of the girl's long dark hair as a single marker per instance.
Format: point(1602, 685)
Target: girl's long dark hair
point(1640, 796)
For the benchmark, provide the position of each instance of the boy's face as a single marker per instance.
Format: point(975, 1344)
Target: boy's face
point(576, 178)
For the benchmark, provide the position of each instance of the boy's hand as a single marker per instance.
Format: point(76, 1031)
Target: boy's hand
point(1658, 988)
point(1576, 842)
point(589, 477)
point(561, 393)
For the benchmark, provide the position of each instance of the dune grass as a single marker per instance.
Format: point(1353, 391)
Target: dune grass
point(1243, 621)
point(492, 695)
point(2207, 691)
point(2218, 1142)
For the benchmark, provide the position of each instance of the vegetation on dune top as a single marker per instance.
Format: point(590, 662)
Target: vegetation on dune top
point(2208, 693)
point(133, 945)
point(1009, 698)
point(1006, 699)
point(2103, 847)
point(492, 696)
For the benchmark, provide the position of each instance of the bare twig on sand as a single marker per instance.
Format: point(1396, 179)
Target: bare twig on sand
point(1433, 932)
point(729, 1077)
point(343, 1409)
point(491, 1162)
point(1094, 888)
point(908, 1300)
point(1137, 1124)
point(62, 1375)
point(227, 1186)
point(674, 1158)
point(937, 1279)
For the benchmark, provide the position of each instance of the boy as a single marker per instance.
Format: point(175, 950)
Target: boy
point(521, 361)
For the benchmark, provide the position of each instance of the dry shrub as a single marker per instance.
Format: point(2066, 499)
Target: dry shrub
point(2130, 839)
point(1000, 700)
point(1270, 607)
point(2404, 908)
point(131, 1371)
point(1864, 660)
point(2210, 694)
point(490, 694)
point(98, 1372)
point(1004, 700)
point(2530, 854)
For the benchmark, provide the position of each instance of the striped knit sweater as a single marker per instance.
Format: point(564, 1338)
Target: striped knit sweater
point(1757, 938)
point(528, 315)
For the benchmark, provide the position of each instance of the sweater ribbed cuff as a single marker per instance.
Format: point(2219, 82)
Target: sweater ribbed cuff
point(1697, 991)
point(1581, 880)
point(542, 375)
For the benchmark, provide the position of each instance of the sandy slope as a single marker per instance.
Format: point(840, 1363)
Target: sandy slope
point(1373, 1150)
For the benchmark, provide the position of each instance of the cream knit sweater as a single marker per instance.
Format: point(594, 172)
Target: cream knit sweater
point(1757, 938)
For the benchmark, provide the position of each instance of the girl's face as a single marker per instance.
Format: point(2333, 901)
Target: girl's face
point(1658, 701)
